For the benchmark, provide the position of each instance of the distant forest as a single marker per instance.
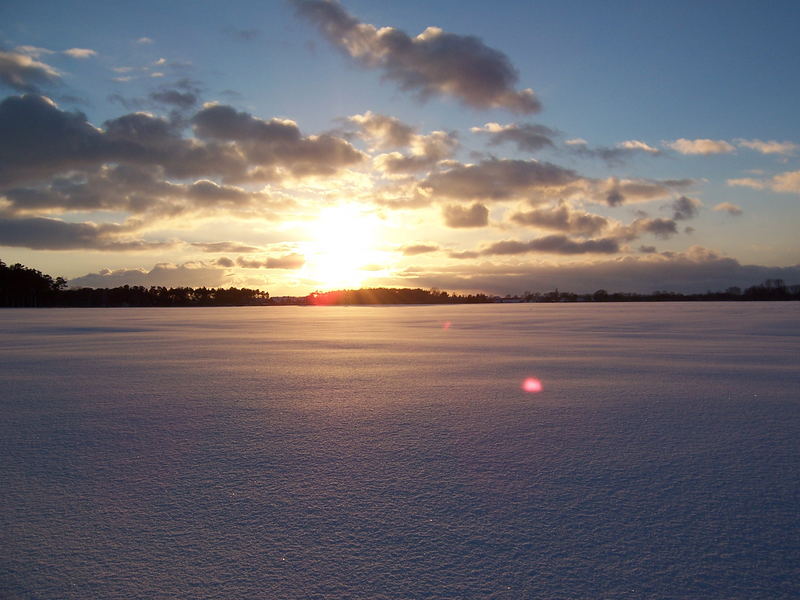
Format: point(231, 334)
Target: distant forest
point(22, 286)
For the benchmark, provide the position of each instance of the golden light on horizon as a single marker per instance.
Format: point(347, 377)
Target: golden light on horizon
point(344, 247)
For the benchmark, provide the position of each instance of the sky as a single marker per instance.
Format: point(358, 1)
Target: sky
point(468, 146)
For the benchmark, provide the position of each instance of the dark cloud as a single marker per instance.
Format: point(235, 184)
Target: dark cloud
point(222, 122)
point(286, 261)
point(661, 228)
point(24, 73)
point(180, 99)
point(275, 143)
point(463, 254)
point(415, 249)
point(432, 63)
point(685, 208)
point(496, 179)
point(612, 155)
point(696, 270)
point(528, 137)
point(137, 190)
point(40, 233)
point(554, 244)
point(647, 249)
point(186, 275)
point(618, 191)
point(383, 132)
point(37, 140)
point(427, 151)
point(225, 247)
point(457, 216)
point(224, 261)
point(562, 218)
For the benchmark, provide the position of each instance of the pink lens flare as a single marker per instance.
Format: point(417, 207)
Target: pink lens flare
point(532, 385)
point(446, 325)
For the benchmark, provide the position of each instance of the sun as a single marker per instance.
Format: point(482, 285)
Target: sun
point(343, 252)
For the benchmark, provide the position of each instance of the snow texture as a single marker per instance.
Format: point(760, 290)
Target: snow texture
point(378, 452)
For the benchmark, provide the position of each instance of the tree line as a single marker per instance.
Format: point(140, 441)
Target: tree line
point(22, 286)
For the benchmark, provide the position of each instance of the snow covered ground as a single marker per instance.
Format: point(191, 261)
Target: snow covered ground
point(391, 452)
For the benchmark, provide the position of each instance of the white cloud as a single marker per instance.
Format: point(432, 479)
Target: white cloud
point(700, 146)
point(639, 145)
point(750, 182)
point(770, 147)
point(730, 208)
point(788, 182)
point(33, 51)
point(80, 52)
point(24, 73)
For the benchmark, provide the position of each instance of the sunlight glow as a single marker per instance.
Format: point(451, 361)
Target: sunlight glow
point(344, 252)
point(532, 385)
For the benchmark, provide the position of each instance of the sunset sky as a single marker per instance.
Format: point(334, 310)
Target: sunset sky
point(469, 146)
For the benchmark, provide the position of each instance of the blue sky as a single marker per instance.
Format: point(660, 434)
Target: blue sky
point(664, 155)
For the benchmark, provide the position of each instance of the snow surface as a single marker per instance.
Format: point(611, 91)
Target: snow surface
point(376, 452)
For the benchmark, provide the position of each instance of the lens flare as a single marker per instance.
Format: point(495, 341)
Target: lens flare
point(532, 385)
point(446, 325)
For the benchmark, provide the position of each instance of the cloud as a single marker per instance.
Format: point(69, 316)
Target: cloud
point(562, 218)
point(286, 261)
point(383, 132)
point(415, 249)
point(730, 208)
point(695, 270)
point(162, 274)
point(639, 145)
point(139, 190)
point(24, 73)
point(183, 100)
point(555, 244)
point(182, 95)
point(457, 216)
point(433, 63)
point(750, 182)
point(37, 139)
point(225, 247)
point(496, 179)
point(787, 182)
point(528, 137)
point(275, 143)
point(616, 191)
point(463, 255)
point(40, 233)
point(33, 51)
point(145, 41)
point(426, 151)
point(661, 228)
point(700, 146)
point(771, 147)
point(80, 53)
point(685, 208)
point(615, 155)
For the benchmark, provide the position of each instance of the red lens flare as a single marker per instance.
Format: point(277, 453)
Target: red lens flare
point(532, 385)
